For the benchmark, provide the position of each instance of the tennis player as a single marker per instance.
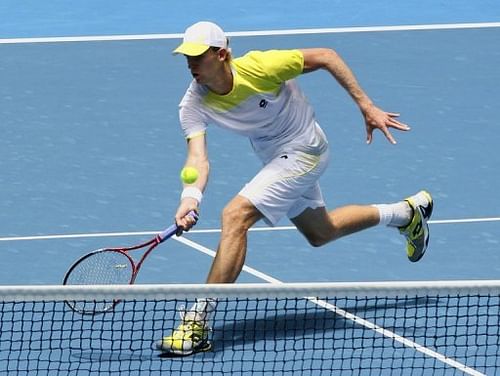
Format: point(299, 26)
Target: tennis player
point(256, 96)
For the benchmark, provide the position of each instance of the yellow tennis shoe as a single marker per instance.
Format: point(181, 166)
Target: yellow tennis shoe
point(417, 231)
point(190, 337)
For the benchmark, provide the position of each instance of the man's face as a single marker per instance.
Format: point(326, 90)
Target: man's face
point(205, 67)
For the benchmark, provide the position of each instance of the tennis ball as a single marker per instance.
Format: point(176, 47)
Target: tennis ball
point(189, 175)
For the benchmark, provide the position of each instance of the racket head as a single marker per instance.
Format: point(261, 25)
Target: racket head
point(101, 267)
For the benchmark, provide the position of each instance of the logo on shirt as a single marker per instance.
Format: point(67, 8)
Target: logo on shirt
point(263, 103)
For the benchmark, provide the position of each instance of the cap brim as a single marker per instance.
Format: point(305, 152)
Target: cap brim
point(191, 49)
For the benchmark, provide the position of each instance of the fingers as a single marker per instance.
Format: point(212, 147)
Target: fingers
point(393, 114)
point(391, 122)
point(185, 223)
point(369, 135)
point(383, 128)
point(388, 135)
point(383, 121)
point(187, 215)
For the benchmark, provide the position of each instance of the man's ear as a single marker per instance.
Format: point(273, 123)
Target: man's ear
point(223, 54)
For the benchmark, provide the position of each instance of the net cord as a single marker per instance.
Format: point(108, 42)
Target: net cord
point(387, 289)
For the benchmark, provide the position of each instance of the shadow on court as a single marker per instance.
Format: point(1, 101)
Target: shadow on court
point(319, 323)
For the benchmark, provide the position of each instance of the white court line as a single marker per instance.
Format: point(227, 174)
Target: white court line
point(436, 222)
point(349, 316)
point(98, 38)
point(208, 231)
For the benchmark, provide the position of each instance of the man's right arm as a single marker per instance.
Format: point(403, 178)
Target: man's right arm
point(197, 157)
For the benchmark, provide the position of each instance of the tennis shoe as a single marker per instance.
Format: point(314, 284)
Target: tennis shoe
point(189, 337)
point(417, 231)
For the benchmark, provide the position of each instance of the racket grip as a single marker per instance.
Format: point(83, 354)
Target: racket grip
point(174, 229)
point(192, 214)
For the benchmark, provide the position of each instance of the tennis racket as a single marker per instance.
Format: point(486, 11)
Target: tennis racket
point(111, 266)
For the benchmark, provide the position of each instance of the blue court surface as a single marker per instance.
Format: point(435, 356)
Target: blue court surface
point(91, 146)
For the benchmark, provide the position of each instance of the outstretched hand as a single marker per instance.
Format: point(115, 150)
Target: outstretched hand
point(375, 118)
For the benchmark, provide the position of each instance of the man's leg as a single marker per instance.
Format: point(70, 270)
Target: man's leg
point(238, 216)
point(320, 227)
point(192, 334)
point(410, 216)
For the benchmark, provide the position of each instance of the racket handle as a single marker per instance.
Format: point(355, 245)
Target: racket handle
point(174, 229)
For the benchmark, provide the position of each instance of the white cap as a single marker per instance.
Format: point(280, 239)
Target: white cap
point(200, 37)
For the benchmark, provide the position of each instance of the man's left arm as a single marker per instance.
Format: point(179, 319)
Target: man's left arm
point(375, 118)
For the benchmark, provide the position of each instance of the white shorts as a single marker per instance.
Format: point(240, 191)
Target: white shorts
point(287, 185)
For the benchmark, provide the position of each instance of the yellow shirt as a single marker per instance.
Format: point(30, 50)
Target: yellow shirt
point(265, 104)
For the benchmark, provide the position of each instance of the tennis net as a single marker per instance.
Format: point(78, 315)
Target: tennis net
point(385, 328)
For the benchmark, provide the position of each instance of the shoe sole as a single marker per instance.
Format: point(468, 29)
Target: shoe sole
point(203, 347)
point(425, 226)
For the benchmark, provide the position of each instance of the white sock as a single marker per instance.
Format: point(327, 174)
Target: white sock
point(201, 311)
point(395, 215)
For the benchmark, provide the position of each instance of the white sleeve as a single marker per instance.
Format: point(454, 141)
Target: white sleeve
point(191, 116)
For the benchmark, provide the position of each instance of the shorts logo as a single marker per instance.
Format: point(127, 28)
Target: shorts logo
point(263, 103)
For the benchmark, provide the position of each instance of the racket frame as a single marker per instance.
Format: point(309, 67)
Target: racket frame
point(135, 266)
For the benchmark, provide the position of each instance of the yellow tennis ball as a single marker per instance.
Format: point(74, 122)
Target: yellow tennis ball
point(189, 175)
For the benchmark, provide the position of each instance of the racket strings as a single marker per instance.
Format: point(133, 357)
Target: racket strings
point(101, 268)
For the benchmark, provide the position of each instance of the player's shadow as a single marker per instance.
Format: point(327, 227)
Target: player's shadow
point(91, 356)
point(292, 325)
point(319, 323)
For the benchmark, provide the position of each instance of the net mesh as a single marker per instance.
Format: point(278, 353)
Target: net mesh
point(346, 332)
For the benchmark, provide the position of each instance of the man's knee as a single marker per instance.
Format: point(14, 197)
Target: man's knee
point(318, 239)
point(239, 214)
point(231, 215)
point(316, 226)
